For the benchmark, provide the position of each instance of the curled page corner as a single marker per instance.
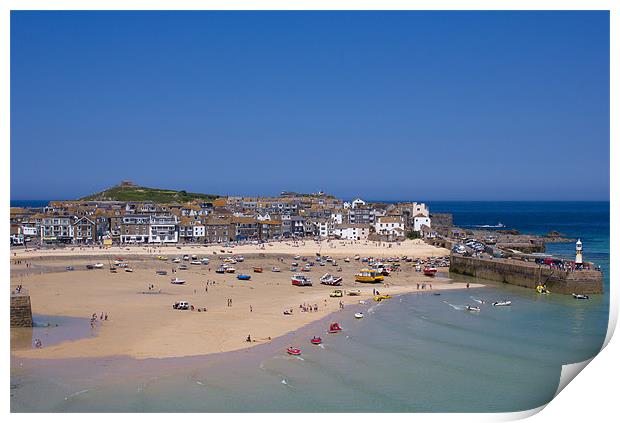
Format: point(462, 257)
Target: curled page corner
point(569, 371)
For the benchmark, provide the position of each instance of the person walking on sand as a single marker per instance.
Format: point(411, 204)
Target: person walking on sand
point(250, 308)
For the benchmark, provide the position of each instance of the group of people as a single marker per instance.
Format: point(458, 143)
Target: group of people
point(423, 286)
point(94, 318)
point(229, 302)
point(19, 288)
point(308, 308)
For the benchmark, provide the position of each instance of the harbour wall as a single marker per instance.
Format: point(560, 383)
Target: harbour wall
point(21, 311)
point(528, 274)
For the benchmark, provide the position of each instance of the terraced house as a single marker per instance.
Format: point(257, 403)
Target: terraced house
point(57, 229)
point(84, 231)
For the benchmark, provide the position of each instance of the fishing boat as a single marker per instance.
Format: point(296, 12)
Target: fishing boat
point(336, 294)
point(258, 270)
point(301, 280)
point(357, 257)
point(502, 303)
point(316, 340)
point(334, 328)
point(183, 267)
point(162, 258)
point(204, 261)
point(240, 258)
point(305, 269)
point(359, 315)
point(161, 272)
point(176, 260)
point(293, 351)
point(128, 269)
point(98, 265)
point(430, 271)
point(230, 270)
point(329, 279)
point(580, 297)
point(243, 277)
point(220, 269)
point(368, 276)
point(195, 262)
point(347, 260)
point(472, 308)
point(275, 269)
point(294, 264)
point(177, 281)
point(355, 293)
point(185, 257)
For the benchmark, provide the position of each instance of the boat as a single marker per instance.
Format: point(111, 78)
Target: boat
point(359, 315)
point(379, 298)
point(240, 258)
point(580, 297)
point(176, 260)
point(275, 269)
point(194, 256)
point(69, 268)
point(356, 257)
point(305, 269)
point(334, 328)
point(112, 269)
point(355, 293)
point(128, 269)
point(328, 279)
point(316, 340)
point(177, 281)
point(542, 290)
point(195, 262)
point(369, 276)
point(220, 269)
point(243, 277)
point(297, 257)
point(293, 351)
point(258, 270)
point(186, 257)
point(502, 303)
point(161, 272)
point(294, 264)
point(472, 308)
point(90, 266)
point(430, 271)
point(301, 280)
point(336, 294)
point(205, 261)
point(183, 267)
point(98, 265)
point(347, 259)
point(230, 270)
point(162, 258)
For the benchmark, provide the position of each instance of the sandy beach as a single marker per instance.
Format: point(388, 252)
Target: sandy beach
point(143, 324)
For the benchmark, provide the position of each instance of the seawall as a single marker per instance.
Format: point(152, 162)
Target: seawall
point(21, 311)
point(528, 274)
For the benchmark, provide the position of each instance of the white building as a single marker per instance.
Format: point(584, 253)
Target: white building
point(419, 208)
point(163, 229)
point(391, 226)
point(420, 220)
point(199, 230)
point(358, 202)
point(352, 231)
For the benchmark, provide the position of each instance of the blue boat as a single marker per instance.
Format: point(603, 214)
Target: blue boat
point(244, 277)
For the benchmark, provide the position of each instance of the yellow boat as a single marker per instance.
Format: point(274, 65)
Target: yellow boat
point(368, 275)
point(336, 294)
point(379, 298)
point(162, 258)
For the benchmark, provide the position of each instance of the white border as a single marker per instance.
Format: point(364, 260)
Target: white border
point(589, 398)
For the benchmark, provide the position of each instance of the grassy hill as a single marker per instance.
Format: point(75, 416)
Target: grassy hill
point(136, 193)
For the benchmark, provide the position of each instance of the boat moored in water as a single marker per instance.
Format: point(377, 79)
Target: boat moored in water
point(472, 308)
point(334, 328)
point(316, 340)
point(580, 297)
point(293, 351)
point(359, 315)
point(502, 303)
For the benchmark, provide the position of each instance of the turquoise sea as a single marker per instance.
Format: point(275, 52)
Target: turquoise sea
point(418, 352)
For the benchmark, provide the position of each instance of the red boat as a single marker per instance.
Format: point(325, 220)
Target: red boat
point(430, 271)
point(293, 351)
point(316, 340)
point(334, 328)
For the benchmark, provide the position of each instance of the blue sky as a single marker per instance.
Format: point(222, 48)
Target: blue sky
point(387, 105)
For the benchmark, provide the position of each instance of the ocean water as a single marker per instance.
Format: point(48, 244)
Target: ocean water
point(413, 353)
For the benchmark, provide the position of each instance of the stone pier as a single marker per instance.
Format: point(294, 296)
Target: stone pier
point(21, 311)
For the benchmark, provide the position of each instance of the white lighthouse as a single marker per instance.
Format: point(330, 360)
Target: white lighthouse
point(579, 253)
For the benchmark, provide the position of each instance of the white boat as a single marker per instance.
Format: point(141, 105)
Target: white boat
point(275, 269)
point(99, 266)
point(128, 269)
point(359, 315)
point(329, 279)
point(301, 280)
point(502, 303)
point(176, 260)
point(472, 308)
point(195, 262)
point(346, 260)
point(580, 297)
point(177, 281)
point(205, 261)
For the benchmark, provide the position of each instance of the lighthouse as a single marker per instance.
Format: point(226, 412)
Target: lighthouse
point(579, 253)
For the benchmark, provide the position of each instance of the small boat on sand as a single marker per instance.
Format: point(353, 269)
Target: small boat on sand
point(334, 328)
point(90, 266)
point(98, 265)
point(580, 297)
point(502, 303)
point(220, 270)
point(69, 268)
point(329, 279)
point(177, 281)
point(258, 270)
point(369, 275)
point(301, 280)
point(161, 272)
point(316, 340)
point(128, 269)
point(243, 277)
point(355, 293)
point(336, 294)
point(275, 269)
point(359, 315)
point(195, 262)
point(430, 271)
point(230, 270)
point(293, 351)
